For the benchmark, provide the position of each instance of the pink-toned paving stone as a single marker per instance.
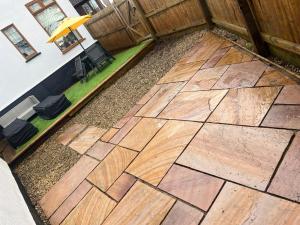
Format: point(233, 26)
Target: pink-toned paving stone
point(237, 205)
point(92, 210)
point(194, 106)
point(246, 155)
point(245, 106)
point(215, 58)
point(128, 116)
point(183, 214)
point(69, 134)
point(205, 79)
point(124, 130)
point(191, 186)
point(283, 116)
point(154, 161)
point(142, 133)
point(286, 182)
point(121, 186)
point(108, 171)
point(69, 204)
point(100, 150)
point(241, 75)
point(109, 134)
point(159, 101)
point(272, 77)
point(149, 95)
point(234, 56)
point(86, 139)
point(67, 184)
point(289, 95)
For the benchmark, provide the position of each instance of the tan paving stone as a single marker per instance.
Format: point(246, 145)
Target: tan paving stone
point(69, 204)
point(149, 95)
point(215, 58)
point(67, 184)
point(194, 106)
point(205, 79)
point(86, 139)
point(121, 186)
point(245, 106)
point(272, 77)
point(128, 116)
point(234, 56)
point(158, 156)
point(69, 134)
point(92, 210)
point(283, 116)
point(108, 171)
point(100, 150)
point(246, 155)
point(142, 133)
point(241, 75)
point(159, 101)
point(183, 214)
point(286, 182)
point(109, 134)
point(142, 205)
point(191, 186)
point(237, 205)
point(289, 95)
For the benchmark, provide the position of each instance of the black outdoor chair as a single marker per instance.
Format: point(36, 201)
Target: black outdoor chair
point(80, 70)
point(99, 56)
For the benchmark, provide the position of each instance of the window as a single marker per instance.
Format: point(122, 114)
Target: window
point(49, 15)
point(18, 40)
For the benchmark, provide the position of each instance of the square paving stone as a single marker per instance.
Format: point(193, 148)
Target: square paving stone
point(86, 139)
point(92, 210)
point(272, 77)
point(69, 134)
point(142, 133)
point(215, 58)
point(234, 56)
point(246, 155)
point(283, 116)
point(205, 79)
point(289, 95)
point(246, 106)
point(237, 205)
point(108, 171)
point(194, 106)
point(159, 101)
point(100, 150)
point(183, 214)
point(149, 94)
point(67, 184)
point(241, 75)
point(121, 186)
point(158, 156)
point(128, 116)
point(191, 186)
point(142, 205)
point(286, 182)
point(109, 134)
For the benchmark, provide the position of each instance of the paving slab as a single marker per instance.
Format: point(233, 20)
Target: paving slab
point(121, 186)
point(149, 95)
point(109, 134)
point(100, 150)
point(69, 134)
point(215, 58)
point(289, 95)
point(273, 77)
point(234, 56)
point(128, 116)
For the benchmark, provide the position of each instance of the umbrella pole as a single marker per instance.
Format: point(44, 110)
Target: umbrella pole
point(77, 39)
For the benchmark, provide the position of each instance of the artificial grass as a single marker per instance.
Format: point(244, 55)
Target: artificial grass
point(79, 90)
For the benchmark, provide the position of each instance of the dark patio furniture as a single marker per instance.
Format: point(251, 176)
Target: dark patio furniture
point(80, 70)
point(98, 56)
point(1, 132)
point(19, 132)
point(52, 106)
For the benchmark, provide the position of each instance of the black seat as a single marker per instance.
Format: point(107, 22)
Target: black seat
point(80, 69)
point(98, 55)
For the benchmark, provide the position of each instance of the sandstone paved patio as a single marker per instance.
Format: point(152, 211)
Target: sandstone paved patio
point(215, 142)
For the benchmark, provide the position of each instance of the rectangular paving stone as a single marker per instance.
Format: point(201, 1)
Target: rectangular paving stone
point(124, 130)
point(246, 155)
point(272, 77)
point(67, 184)
point(86, 139)
point(100, 150)
point(109, 134)
point(289, 95)
point(205, 79)
point(183, 214)
point(142, 133)
point(191, 186)
point(283, 116)
point(234, 56)
point(238, 205)
point(121, 186)
point(158, 156)
point(92, 210)
point(159, 101)
point(149, 95)
point(128, 116)
point(215, 58)
point(286, 182)
point(194, 106)
point(241, 75)
point(245, 106)
point(69, 204)
point(69, 134)
point(142, 205)
point(108, 171)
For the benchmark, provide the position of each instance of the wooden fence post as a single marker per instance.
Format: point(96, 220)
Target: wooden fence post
point(259, 45)
point(206, 13)
point(144, 19)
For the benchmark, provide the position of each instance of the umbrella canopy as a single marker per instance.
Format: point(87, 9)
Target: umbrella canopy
point(68, 25)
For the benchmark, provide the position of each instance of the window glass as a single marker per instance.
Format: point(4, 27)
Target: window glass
point(35, 7)
point(47, 2)
point(87, 9)
point(94, 5)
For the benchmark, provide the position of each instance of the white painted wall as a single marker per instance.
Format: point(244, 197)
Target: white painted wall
point(16, 76)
